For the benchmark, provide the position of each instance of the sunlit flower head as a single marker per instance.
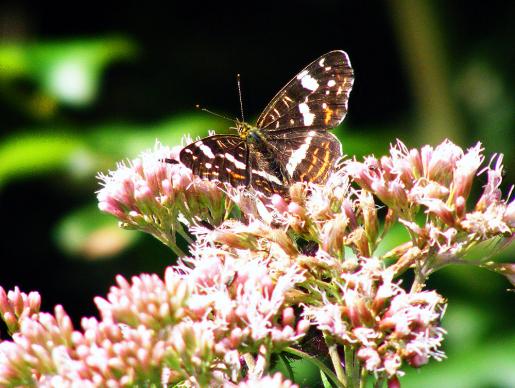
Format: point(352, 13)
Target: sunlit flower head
point(386, 324)
point(159, 198)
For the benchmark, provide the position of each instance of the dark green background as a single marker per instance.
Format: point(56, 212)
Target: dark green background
point(425, 70)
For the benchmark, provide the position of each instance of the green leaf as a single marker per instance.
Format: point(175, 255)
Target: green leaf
point(325, 381)
point(31, 154)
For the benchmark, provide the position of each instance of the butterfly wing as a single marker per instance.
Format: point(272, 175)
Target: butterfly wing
point(305, 155)
point(266, 172)
point(220, 158)
point(316, 98)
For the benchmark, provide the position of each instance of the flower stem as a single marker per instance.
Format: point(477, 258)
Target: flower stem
point(328, 372)
point(184, 235)
point(174, 247)
point(419, 281)
point(363, 378)
point(336, 360)
point(379, 382)
point(349, 365)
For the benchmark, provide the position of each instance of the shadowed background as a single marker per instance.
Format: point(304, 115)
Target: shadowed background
point(84, 85)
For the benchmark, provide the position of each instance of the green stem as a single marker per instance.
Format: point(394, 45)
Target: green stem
point(328, 372)
point(422, 46)
point(356, 368)
point(335, 359)
point(379, 382)
point(184, 235)
point(363, 378)
point(349, 365)
point(322, 284)
point(173, 246)
point(419, 280)
point(166, 238)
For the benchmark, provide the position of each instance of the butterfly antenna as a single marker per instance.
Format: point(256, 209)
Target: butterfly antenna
point(213, 113)
point(241, 100)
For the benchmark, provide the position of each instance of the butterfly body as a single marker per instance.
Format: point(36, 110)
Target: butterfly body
point(290, 142)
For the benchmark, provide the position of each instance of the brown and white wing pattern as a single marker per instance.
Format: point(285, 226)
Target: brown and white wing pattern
point(316, 98)
point(290, 142)
point(220, 158)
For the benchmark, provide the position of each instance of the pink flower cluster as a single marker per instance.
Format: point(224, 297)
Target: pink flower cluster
point(387, 325)
point(439, 182)
point(16, 305)
point(254, 285)
point(245, 292)
point(192, 326)
point(159, 198)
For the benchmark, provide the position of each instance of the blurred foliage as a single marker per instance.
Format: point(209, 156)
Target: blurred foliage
point(61, 136)
point(487, 365)
point(37, 153)
point(63, 72)
point(85, 233)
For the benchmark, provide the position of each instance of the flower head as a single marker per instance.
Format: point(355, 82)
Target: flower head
point(438, 181)
point(385, 323)
point(158, 198)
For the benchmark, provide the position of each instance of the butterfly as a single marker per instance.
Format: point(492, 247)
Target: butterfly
point(290, 142)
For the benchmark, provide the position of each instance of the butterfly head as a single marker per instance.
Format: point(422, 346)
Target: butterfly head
point(244, 129)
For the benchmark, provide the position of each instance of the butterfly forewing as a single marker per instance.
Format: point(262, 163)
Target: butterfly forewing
point(218, 157)
point(315, 98)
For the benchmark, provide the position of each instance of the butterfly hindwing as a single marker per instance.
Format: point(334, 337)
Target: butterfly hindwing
point(307, 155)
point(315, 98)
point(266, 172)
point(219, 157)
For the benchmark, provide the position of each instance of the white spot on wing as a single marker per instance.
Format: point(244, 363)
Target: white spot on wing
point(233, 160)
point(208, 165)
point(321, 62)
point(269, 177)
point(331, 83)
point(306, 114)
point(205, 150)
point(309, 83)
point(302, 74)
point(299, 154)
